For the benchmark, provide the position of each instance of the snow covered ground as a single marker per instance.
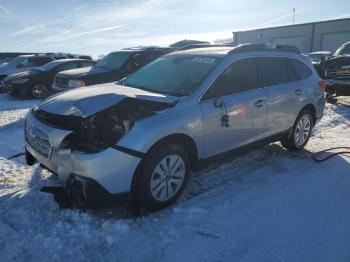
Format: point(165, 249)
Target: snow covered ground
point(269, 205)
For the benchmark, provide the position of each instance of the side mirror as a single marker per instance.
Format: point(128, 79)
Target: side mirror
point(218, 103)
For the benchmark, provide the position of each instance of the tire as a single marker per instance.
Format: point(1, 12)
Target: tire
point(301, 132)
point(167, 186)
point(39, 91)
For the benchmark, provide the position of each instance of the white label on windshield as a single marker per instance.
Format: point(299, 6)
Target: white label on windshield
point(203, 60)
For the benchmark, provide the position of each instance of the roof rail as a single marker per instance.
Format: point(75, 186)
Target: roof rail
point(264, 47)
point(192, 46)
point(146, 48)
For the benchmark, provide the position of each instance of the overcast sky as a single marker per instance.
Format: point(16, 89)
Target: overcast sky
point(98, 27)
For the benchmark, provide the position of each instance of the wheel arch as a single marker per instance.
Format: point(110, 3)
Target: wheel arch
point(312, 109)
point(181, 139)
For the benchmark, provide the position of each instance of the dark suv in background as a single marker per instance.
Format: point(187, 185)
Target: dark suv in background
point(22, 63)
point(336, 70)
point(113, 67)
point(36, 82)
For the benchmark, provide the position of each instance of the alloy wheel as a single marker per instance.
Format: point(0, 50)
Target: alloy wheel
point(302, 130)
point(167, 177)
point(39, 90)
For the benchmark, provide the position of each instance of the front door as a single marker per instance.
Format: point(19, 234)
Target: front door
point(234, 108)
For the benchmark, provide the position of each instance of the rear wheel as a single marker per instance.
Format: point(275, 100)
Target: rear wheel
point(301, 132)
point(163, 177)
point(39, 91)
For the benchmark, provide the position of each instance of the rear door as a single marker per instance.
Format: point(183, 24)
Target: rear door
point(233, 108)
point(284, 92)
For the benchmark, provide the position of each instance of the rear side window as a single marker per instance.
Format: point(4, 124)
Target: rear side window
point(274, 71)
point(300, 69)
point(239, 77)
point(291, 72)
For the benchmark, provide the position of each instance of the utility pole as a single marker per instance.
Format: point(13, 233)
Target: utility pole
point(293, 15)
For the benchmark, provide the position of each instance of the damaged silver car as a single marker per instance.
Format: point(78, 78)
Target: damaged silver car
point(138, 140)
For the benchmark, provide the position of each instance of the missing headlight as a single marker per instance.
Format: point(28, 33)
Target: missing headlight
point(106, 127)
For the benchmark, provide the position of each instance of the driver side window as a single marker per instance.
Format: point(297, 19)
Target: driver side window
point(239, 77)
point(138, 61)
point(26, 63)
point(67, 66)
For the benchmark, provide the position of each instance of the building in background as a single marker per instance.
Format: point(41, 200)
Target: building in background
point(308, 37)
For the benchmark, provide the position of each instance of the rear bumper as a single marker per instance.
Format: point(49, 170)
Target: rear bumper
point(111, 169)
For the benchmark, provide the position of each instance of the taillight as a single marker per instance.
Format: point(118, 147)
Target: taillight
point(323, 85)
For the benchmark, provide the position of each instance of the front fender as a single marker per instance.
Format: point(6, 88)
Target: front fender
point(183, 120)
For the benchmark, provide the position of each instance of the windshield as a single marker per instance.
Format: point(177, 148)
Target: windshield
point(343, 50)
point(14, 62)
point(114, 60)
point(177, 75)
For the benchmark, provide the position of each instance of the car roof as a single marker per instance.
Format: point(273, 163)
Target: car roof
point(70, 60)
point(243, 48)
point(147, 48)
point(319, 52)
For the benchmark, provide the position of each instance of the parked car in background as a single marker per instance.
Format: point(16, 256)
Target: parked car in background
point(187, 42)
point(141, 138)
point(316, 57)
point(36, 82)
point(84, 57)
point(22, 63)
point(113, 67)
point(6, 57)
point(336, 70)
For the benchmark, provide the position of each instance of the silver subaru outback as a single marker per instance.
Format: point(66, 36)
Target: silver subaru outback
point(139, 139)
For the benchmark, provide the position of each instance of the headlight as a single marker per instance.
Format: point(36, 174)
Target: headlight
point(19, 81)
point(76, 83)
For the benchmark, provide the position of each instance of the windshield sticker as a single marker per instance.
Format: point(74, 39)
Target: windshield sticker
point(206, 60)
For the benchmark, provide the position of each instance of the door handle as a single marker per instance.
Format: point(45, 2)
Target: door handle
point(297, 92)
point(259, 103)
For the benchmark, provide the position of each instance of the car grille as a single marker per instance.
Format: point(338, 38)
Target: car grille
point(39, 141)
point(61, 82)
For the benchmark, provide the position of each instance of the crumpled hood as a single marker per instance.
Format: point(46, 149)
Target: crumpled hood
point(90, 100)
point(79, 72)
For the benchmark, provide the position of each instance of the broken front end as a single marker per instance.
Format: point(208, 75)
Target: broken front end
point(84, 152)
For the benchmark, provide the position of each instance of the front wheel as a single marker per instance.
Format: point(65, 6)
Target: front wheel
point(301, 132)
point(163, 177)
point(39, 91)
